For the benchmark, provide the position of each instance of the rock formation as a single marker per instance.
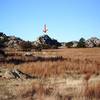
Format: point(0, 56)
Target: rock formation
point(92, 42)
point(45, 40)
point(15, 74)
point(89, 43)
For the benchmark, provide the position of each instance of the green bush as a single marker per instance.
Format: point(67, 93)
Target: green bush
point(26, 46)
point(69, 44)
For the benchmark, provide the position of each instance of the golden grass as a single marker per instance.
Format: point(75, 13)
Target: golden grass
point(79, 61)
point(92, 90)
point(76, 62)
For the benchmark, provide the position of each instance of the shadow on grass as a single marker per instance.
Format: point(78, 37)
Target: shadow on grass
point(20, 60)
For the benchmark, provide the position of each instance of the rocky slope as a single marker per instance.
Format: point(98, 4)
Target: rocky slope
point(13, 42)
point(9, 41)
point(45, 40)
point(93, 42)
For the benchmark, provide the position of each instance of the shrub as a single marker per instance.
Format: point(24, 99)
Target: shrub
point(2, 52)
point(45, 46)
point(26, 46)
point(54, 47)
point(3, 39)
point(38, 48)
point(69, 44)
point(2, 45)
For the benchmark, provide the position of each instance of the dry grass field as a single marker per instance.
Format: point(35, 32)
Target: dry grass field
point(62, 74)
point(80, 61)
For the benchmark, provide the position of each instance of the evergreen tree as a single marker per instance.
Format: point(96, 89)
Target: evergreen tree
point(81, 43)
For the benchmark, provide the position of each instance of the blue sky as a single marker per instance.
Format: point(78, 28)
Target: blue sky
point(66, 19)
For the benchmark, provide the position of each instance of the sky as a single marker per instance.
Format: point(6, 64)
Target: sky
point(66, 20)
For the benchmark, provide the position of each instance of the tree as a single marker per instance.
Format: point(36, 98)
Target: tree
point(3, 39)
point(2, 53)
point(81, 43)
point(2, 45)
point(69, 44)
point(38, 48)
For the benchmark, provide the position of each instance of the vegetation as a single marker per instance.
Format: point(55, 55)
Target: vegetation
point(47, 46)
point(2, 44)
point(81, 43)
point(61, 74)
point(69, 44)
point(3, 39)
point(2, 52)
point(76, 60)
point(26, 46)
point(75, 77)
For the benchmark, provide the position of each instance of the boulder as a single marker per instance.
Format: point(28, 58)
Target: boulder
point(8, 75)
point(16, 74)
point(28, 54)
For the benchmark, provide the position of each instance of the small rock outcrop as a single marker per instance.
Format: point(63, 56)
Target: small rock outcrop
point(13, 42)
point(15, 74)
point(93, 42)
point(45, 40)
